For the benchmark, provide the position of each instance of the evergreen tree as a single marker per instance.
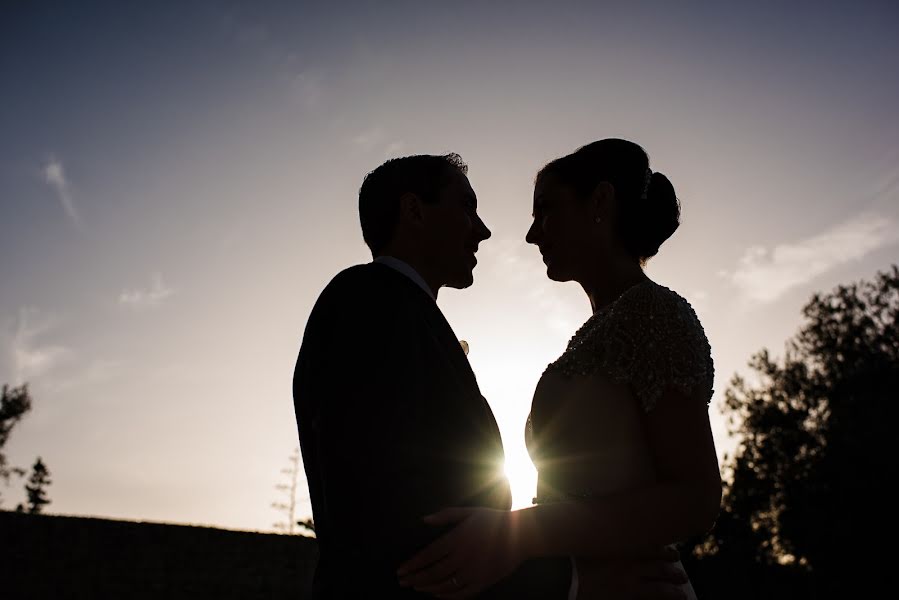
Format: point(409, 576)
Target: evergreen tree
point(36, 488)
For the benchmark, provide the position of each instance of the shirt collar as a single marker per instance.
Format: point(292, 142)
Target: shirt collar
point(404, 268)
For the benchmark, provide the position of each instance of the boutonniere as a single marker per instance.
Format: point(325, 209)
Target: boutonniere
point(464, 345)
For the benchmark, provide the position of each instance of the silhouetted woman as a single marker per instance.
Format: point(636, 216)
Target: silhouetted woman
point(619, 429)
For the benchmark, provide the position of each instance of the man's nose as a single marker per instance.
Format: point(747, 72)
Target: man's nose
point(481, 229)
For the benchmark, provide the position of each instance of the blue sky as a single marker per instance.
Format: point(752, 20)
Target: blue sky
point(179, 180)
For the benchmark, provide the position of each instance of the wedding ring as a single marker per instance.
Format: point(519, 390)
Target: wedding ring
point(455, 583)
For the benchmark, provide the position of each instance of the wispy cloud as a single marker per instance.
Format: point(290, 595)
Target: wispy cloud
point(376, 137)
point(27, 355)
point(54, 175)
point(30, 356)
point(369, 138)
point(152, 297)
point(393, 149)
point(765, 274)
point(97, 372)
point(303, 82)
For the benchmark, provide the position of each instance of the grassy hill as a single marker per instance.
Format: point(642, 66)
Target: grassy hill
point(55, 557)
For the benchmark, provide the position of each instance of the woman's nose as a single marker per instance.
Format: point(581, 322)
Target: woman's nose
point(532, 234)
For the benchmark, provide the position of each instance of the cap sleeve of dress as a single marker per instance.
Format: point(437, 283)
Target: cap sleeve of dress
point(653, 340)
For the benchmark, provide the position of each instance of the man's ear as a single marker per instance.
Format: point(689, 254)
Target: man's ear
point(410, 209)
point(602, 199)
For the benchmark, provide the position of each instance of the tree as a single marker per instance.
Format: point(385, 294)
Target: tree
point(808, 483)
point(14, 403)
point(36, 488)
point(289, 489)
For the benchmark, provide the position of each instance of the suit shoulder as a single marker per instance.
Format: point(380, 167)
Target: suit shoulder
point(356, 285)
point(352, 278)
point(361, 291)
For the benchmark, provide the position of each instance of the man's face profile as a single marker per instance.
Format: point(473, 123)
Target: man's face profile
point(454, 231)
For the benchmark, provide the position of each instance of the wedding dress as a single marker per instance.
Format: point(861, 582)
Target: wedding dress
point(585, 430)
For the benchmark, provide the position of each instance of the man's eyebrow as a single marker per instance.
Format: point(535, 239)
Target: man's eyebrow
point(538, 201)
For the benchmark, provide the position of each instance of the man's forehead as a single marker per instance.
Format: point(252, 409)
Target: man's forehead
point(459, 182)
point(466, 186)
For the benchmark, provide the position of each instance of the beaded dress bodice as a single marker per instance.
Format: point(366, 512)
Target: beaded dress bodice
point(585, 432)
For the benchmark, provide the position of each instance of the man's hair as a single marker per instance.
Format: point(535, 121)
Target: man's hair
point(379, 197)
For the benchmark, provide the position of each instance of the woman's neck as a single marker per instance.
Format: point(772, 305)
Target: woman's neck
point(606, 283)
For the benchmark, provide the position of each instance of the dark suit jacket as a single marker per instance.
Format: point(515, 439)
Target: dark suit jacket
point(392, 427)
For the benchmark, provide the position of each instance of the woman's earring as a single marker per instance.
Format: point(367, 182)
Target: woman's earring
point(598, 220)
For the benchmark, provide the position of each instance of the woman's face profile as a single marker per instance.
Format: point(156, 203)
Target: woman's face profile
point(562, 229)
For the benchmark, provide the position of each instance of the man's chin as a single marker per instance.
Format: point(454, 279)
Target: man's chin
point(462, 281)
point(557, 275)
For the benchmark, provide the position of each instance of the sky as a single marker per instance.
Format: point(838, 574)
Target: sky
point(179, 180)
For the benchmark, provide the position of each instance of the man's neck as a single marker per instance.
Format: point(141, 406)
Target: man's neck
point(418, 274)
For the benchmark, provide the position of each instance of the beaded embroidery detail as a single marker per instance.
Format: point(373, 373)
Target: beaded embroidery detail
point(650, 338)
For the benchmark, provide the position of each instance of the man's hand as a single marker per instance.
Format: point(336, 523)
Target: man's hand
point(479, 551)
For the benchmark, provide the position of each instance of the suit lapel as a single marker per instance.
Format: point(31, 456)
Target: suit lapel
point(438, 327)
point(448, 342)
point(483, 452)
point(436, 324)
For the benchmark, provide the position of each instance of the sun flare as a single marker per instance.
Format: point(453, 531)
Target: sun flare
point(522, 478)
